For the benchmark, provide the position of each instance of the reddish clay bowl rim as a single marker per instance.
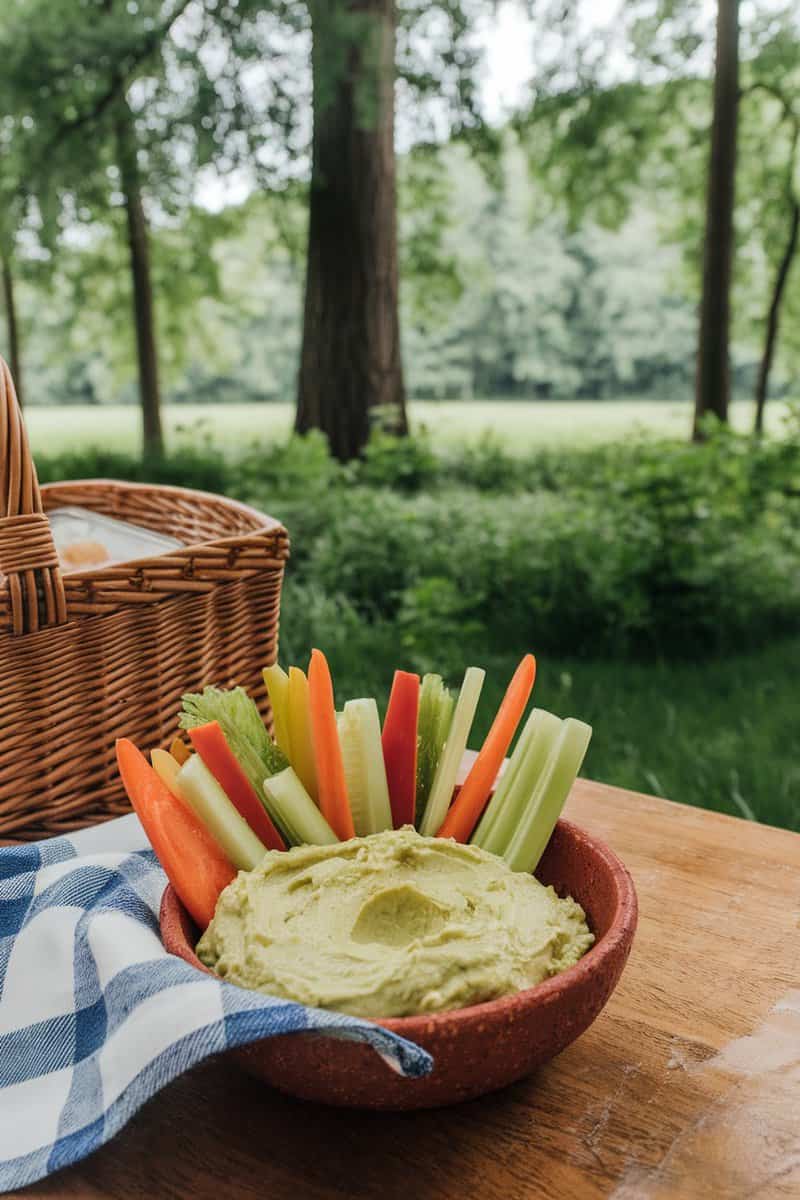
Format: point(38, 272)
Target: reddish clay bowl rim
point(173, 920)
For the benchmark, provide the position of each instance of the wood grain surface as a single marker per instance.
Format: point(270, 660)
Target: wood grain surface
point(688, 1085)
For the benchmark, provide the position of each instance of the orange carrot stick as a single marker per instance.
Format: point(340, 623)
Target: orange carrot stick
point(331, 785)
point(471, 800)
point(194, 863)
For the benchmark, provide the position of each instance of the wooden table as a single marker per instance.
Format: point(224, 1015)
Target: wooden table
point(688, 1085)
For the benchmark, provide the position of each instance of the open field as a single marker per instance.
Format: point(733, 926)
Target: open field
point(520, 424)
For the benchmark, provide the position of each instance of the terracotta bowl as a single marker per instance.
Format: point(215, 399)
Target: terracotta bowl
point(476, 1049)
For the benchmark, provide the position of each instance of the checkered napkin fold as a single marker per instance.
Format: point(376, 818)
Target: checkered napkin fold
point(95, 1016)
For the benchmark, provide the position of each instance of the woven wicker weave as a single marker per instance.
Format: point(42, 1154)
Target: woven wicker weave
point(94, 654)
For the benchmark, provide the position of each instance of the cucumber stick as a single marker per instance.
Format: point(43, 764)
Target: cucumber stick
point(444, 780)
point(200, 790)
point(291, 807)
point(506, 807)
point(364, 768)
point(539, 819)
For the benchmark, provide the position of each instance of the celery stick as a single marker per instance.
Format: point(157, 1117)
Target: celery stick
point(506, 807)
point(538, 822)
point(291, 806)
point(435, 717)
point(200, 790)
point(245, 732)
point(277, 684)
point(444, 779)
point(364, 768)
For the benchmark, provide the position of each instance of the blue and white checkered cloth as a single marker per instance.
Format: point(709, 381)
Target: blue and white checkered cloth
point(95, 1016)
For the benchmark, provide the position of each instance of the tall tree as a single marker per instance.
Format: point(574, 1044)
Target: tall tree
point(712, 389)
point(142, 289)
point(781, 278)
point(12, 325)
point(350, 365)
point(12, 220)
point(768, 189)
point(90, 91)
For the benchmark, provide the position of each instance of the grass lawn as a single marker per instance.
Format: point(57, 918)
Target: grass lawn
point(519, 424)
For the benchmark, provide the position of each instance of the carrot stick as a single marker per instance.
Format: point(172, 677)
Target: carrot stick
point(192, 860)
point(211, 744)
point(399, 740)
point(471, 800)
point(331, 785)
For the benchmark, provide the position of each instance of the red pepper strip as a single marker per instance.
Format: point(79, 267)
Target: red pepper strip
point(399, 739)
point(211, 744)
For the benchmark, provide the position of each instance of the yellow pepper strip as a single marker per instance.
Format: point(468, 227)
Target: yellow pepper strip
point(299, 712)
point(166, 768)
point(277, 682)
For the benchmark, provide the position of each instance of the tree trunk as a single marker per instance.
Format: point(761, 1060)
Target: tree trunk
point(773, 317)
point(139, 247)
point(350, 364)
point(12, 327)
point(712, 392)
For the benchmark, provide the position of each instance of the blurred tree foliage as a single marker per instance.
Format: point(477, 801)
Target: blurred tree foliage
point(555, 276)
point(601, 144)
point(500, 296)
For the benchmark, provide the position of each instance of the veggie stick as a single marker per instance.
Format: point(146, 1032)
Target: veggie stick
point(436, 705)
point(200, 790)
point(364, 768)
point(179, 750)
point(447, 768)
point(277, 684)
point(295, 811)
point(194, 863)
point(538, 822)
point(210, 743)
point(464, 813)
point(299, 722)
point(166, 768)
point(327, 751)
point(507, 806)
point(399, 742)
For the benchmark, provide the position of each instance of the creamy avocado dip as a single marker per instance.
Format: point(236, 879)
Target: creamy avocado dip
point(390, 925)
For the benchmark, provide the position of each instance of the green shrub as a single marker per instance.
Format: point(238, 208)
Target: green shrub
point(640, 548)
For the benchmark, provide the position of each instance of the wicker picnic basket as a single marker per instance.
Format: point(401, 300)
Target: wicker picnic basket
point(95, 654)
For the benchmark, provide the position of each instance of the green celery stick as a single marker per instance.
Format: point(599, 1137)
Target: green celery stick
point(435, 717)
point(241, 723)
point(538, 822)
point(291, 806)
point(504, 811)
point(200, 790)
point(444, 780)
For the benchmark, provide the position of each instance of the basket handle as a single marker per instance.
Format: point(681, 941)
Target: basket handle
point(29, 565)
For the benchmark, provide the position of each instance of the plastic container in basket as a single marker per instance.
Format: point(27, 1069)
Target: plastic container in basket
point(95, 654)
